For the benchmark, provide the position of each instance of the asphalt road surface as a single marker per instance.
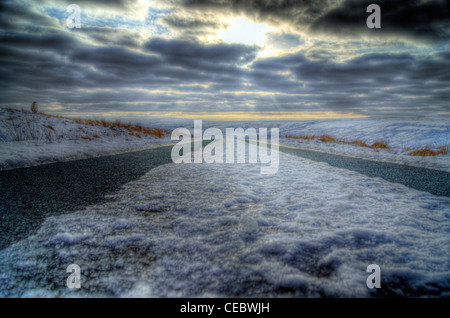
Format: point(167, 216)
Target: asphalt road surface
point(29, 195)
point(429, 180)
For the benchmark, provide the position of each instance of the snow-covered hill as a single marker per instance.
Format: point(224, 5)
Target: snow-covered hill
point(29, 139)
point(403, 137)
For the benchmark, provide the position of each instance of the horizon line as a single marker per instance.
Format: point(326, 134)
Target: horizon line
point(222, 116)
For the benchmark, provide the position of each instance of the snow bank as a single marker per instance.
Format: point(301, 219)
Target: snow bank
point(49, 139)
point(225, 230)
point(399, 133)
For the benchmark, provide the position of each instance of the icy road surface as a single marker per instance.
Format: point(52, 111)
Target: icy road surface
point(225, 230)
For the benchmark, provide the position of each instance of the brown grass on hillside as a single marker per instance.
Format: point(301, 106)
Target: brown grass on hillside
point(424, 152)
point(427, 151)
point(379, 145)
point(301, 137)
point(157, 132)
point(357, 142)
point(327, 138)
point(443, 149)
point(136, 129)
point(360, 143)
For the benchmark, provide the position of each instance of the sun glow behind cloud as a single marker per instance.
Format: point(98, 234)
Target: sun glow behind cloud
point(246, 32)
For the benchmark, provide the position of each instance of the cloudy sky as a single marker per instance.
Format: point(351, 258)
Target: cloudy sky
point(257, 59)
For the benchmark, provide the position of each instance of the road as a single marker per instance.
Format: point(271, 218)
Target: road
point(30, 195)
point(433, 181)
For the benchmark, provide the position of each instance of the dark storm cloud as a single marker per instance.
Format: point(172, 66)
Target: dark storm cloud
point(374, 80)
point(193, 53)
point(17, 17)
point(300, 12)
point(212, 61)
point(37, 60)
point(193, 26)
point(425, 20)
point(77, 65)
point(183, 23)
point(54, 41)
point(108, 36)
point(370, 67)
point(117, 62)
point(117, 4)
point(442, 55)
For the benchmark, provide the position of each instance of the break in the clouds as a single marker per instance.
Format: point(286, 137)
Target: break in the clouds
point(183, 57)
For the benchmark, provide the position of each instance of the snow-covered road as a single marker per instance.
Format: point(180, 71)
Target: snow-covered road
point(225, 230)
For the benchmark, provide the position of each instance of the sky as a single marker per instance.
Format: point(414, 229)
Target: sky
point(255, 59)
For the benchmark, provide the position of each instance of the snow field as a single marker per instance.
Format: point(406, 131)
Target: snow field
point(399, 133)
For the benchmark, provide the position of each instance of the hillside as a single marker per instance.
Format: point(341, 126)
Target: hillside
point(29, 139)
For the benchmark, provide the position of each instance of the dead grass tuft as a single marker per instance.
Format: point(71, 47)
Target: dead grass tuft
point(443, 150)
point(428, 152)
point(327, 138)
point(424, 152)
point(301, 137)
point(358, 142)
point(379, 145)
